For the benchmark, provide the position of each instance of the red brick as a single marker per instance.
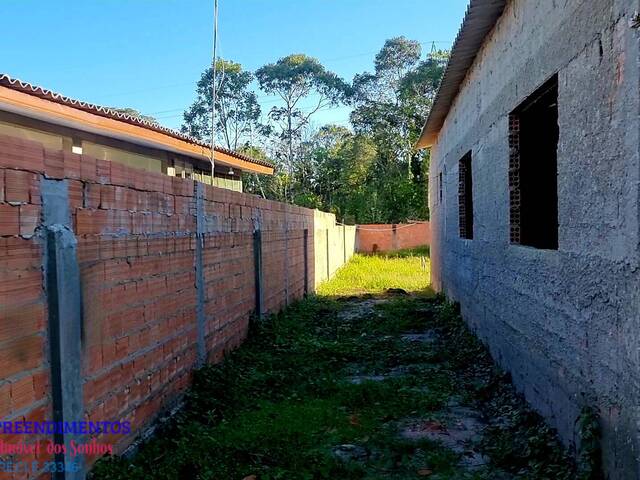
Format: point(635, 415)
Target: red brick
point(18, 253)
point(54, 163)
point(19, 321)
point(103, 171)
point(37, 415)
point(29, 219)
point(88, 168)
point(9, 220)
point(5, 400)
point(76, 194)
point(90, 221)
point(22, 154)
point(22, 354)
point(72, 165)
point(93, 359)
point(92, 195)
point(140, 180)
point(18, 184)
point(1, 185)
point(41, 384)
point(20, 287)
point(121, 174)
point(23, 393)
point(107, 197)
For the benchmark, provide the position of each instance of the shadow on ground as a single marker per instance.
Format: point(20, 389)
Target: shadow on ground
point(389, 385)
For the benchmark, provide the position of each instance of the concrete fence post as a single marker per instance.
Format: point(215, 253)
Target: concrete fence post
point(286, 257)
point(328, 257)
point(257, 261)
point(394, 237)
point(344, 244)
point(64, 298)
point(200, 282)
point(305, 243)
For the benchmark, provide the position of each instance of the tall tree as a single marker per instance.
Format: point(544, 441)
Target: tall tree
point(391, 105)
point(294, 79)
point(237, 108)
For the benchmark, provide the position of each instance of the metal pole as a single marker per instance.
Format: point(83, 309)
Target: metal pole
point(213, 90)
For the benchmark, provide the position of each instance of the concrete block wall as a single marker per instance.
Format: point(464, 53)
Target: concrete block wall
point(166, 279)
point(564, 322)
point(390, 237)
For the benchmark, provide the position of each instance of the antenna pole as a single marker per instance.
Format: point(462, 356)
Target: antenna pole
point(213, 91)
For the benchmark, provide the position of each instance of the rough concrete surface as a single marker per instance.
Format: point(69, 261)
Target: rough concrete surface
point(565, 322)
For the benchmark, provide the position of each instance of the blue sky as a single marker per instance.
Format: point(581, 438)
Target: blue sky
point(148, 54)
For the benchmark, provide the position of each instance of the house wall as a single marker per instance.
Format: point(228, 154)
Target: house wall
point(391, 237)
point(565, 323)
point(55, 137)
point(166, 280)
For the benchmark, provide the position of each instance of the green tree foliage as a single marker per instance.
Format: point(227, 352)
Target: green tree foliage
point(237, 108)
point(390, 106)
point(267, 186)
point(369, 173)
point(294, 79)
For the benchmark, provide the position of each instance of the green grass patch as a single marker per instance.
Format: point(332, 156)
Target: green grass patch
point(373, 274)
point(279, 407)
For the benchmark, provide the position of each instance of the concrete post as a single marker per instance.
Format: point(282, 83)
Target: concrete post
point(257, 261)
point(328, 257)
point(344, 244)
point(305, 242)
point(394, 237)
point(64, 298)
point(200, 283)
point(286, 256)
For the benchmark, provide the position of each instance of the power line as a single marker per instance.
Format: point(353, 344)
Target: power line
point(213, 91)
point(164, 87)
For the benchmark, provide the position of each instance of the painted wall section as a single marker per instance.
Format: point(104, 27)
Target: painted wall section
point(148, 297)
point(391, 237)
point(333, 245)
point(564, 322)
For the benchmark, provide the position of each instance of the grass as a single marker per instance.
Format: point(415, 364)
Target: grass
point(373, 274)
point(279, 406)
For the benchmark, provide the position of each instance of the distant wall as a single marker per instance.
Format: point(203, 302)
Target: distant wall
point(143, 275)
point(389, 237)
point(334, 245)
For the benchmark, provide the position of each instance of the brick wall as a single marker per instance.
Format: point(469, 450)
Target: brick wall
point(167, 273)
point(387, 238)
point(24, 372)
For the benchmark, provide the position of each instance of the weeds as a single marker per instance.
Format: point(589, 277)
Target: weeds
point(285, 405)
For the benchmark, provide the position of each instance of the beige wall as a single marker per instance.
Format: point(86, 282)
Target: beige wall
point(135, 160)
point(341, 245)
point(157, 162)
point(48, 140)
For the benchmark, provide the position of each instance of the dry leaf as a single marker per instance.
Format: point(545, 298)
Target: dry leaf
point(250, 477)
point(433, 426)
point(424, 472)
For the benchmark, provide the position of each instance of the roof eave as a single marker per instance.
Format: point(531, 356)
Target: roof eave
point(41, 104)
point(480, 18)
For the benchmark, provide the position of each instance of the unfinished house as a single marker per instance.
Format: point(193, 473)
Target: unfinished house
point(60, 123)
point(534, 198)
